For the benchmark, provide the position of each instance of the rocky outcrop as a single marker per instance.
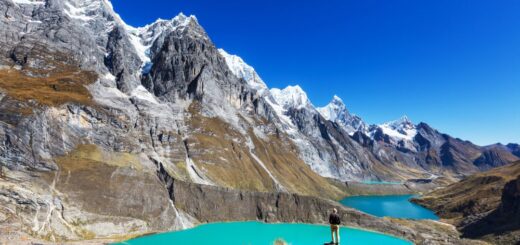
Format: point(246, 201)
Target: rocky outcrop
point(93, 194)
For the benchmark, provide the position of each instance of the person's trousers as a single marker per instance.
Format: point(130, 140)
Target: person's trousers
point(334, 231)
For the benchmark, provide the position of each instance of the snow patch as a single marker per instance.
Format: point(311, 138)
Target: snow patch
point(400, 129)
point(251, 146)
point(141, 93)
point(78, 12)
point(182, 219)
point(29, 2)
point(285, 120)
point(195, 173)
point(108, 76)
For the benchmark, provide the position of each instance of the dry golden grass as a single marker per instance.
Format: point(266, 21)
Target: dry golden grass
point(104, 182)
point(479, 193)
point(224, 161)
point(84, 155)
point(56, 89)
point(281, 158)
point(57, 80)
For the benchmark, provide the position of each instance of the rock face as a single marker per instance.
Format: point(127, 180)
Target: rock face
point(98, 119)
point(482, 206)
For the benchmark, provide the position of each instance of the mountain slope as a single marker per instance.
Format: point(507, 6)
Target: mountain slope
point(484, 205)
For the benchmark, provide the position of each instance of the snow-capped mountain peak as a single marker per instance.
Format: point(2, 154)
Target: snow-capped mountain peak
point(402, 128)
point(291, 97)
point(242, 70)
point(142, 38)
point(336, 108)
point(160, 25)
point(402, 123)
point(336, 111)
point(337, 100)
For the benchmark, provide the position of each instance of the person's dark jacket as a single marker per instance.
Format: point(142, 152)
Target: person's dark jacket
point(334, 219)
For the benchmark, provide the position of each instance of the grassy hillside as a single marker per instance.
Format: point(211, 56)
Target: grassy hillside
point(478, 204)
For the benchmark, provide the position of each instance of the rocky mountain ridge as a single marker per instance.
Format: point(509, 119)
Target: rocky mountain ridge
point(420, 143)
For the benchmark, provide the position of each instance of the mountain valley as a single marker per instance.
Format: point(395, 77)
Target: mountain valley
point(109, 131)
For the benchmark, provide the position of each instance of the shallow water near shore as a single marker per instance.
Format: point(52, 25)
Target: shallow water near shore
point(397, 206)
point(257, 233)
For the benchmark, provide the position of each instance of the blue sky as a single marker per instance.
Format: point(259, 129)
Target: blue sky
point(454, 64)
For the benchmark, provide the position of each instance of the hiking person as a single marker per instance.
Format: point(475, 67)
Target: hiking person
point(334, 221)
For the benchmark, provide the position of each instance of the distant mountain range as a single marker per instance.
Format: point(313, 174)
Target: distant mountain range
point(92, 108)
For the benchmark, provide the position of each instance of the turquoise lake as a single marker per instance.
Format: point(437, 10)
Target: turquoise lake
point(257, 233)
point(397, 206)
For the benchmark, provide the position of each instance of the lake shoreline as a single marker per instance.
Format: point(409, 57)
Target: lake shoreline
point(384, 188)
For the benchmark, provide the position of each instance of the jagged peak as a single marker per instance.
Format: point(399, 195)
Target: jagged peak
point(179, 20)
point(336, 100)
point(334, 109)
point(292, 90)
point(338, 103)
point(291, 96)
point(402, 121)
point(142, 38)
point(402, 128)
point(161, 25)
